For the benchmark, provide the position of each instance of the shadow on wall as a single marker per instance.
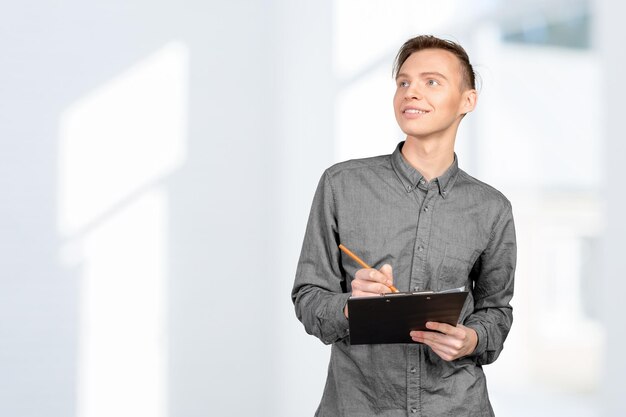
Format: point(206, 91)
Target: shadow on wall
point(123, 182)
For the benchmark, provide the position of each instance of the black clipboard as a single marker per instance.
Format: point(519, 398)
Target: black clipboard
point(389, 318)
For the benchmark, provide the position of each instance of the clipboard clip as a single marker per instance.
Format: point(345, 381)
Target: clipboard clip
point(394, 294)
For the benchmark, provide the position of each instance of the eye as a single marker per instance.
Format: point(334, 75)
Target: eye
point(403, 84)
point(432, 82)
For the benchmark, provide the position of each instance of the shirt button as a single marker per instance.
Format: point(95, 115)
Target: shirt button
point(422, 182)
point(426, 208)
point(414, 410)
point(420, 248)
point(413, 370)
point(409, 188)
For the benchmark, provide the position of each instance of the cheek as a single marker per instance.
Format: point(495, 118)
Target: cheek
point(450, 103)
point(397, 101)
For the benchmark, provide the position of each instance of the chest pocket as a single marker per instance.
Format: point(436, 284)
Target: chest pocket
point(455, 266)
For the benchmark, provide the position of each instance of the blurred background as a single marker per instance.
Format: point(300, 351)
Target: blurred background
point(157, 164)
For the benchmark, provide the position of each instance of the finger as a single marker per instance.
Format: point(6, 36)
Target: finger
point(372, 275)
point(362, 287)
point(417, 337)
point(369, 274)
point(449, 344)
point(444, 328)
point(430, 337)
point(385, 278)
point(362, 274)
point(387, 271)
point(443, 350)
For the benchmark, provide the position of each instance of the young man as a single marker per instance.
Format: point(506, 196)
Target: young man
point(439, 228)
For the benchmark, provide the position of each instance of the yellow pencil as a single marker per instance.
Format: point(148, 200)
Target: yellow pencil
point(360, 262)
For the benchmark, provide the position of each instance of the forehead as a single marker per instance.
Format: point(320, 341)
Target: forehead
point(432, 60)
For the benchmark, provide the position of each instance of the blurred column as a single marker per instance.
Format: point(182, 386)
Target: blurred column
point(610, 33)
point(303, 99)
point(219, 237)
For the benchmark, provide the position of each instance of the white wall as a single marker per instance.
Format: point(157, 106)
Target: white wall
point(609, 43)
point(228, 213)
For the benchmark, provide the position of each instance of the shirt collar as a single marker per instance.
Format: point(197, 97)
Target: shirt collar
point(411, 178)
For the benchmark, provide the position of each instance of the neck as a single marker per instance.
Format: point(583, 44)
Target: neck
point(430, 158)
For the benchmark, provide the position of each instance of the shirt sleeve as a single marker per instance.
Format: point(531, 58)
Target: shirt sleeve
point(319, 293)
point(493, 289)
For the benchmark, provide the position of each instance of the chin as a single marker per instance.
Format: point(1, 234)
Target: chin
point(417, 133)
point(412, 129)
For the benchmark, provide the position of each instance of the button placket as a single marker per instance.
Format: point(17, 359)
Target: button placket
point(413, 386)
point(421, 238)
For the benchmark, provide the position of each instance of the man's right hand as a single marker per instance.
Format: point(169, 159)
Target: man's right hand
point(368, 282)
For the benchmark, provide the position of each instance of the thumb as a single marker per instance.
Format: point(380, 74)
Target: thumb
point(387, 271)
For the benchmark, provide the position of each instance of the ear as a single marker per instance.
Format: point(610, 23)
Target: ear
point(468, 102)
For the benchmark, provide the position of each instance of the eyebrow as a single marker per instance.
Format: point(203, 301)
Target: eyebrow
point(424, 74)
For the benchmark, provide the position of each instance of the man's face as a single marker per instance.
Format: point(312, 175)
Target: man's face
point(430, 96)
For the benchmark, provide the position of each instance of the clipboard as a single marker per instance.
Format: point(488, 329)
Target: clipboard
point(388, 318)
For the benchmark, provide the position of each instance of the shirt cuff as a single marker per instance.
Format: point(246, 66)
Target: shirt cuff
point(335, 313)
point(481, 332)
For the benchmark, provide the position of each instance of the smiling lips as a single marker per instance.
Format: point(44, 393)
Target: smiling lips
point(410, 111)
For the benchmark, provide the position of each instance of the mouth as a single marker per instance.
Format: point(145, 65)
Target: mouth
point(414, 113)
point(411, 110)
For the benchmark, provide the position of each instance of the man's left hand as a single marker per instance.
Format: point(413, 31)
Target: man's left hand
point(448, 342)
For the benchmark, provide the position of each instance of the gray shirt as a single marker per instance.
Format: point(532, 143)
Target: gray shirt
point(450, 232)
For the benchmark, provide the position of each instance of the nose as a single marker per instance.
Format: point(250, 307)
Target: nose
point(413, 92)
